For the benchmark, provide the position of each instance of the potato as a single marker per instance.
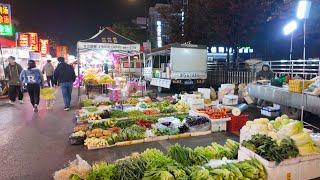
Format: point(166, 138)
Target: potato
point(99, 134)
point(98, 130)
point(106, 133)
point(88, 133)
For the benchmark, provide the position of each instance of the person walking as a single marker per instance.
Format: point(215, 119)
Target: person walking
point(34, 80)
point(12, 73)
point(48, 70)
point(64, 76)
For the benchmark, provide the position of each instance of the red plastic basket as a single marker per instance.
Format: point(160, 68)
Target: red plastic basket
point(237, 122)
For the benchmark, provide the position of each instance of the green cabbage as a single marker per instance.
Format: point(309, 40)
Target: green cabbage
point(301, 138)
point(281, 121)
point(261, 121)
point(290, 129)
point(307, 149)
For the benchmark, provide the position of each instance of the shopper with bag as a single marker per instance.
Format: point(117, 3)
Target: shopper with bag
point(12, 73)
point(64, 76)
point(34, 80)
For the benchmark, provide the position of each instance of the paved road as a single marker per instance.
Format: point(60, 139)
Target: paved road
point(34, 145)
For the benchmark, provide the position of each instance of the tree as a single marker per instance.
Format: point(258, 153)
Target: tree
point(230, 23)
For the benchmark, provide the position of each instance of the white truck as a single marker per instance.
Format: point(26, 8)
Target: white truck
point(176, 66)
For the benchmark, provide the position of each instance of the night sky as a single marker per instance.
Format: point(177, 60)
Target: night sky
point(68, 21)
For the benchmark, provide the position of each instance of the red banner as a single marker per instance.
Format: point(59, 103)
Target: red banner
point(44, 46)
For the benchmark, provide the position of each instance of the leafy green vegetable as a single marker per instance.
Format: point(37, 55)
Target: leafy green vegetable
point(165, 131)
point(269, 149)
point(156, 159)
point(301, 138)
point(290, 129)
point(199, 173)
point(158, 175)
point(216, 151)
point(133, 132)
point(186, 156)
point(86, 102)
point(233, 147)
point(135, 114)
point(118, 114)
point(309, 148)
point(102, 171)
point(132, 169)
point(288, 149)
point(124, 123)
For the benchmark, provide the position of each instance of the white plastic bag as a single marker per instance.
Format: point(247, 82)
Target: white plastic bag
point(78, 167)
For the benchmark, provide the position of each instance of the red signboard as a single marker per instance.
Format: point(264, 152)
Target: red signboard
point(44, 46)
point(34, 41)
point(23, 40)
point(29, 40)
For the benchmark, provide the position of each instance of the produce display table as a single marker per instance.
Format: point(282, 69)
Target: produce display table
point(284, 97)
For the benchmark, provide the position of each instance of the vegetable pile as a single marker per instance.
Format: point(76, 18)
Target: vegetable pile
point(180, 163)
point(215, 113)
point(280, 129)
point(270, 150)
point(216, 151)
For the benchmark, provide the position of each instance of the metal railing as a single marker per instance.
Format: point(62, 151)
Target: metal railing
point(304, 68)
point(221, 72)
point(218, 77)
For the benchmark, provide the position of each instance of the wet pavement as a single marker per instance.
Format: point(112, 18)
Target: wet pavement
point(34, 145)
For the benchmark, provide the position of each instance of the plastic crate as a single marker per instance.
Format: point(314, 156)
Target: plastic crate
point(296, 85)
point(237, 122)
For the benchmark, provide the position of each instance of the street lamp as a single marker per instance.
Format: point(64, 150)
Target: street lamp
point(303, 12)
point(289, 29)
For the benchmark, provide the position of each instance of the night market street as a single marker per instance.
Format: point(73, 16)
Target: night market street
point(33, 146)
point(160, 90)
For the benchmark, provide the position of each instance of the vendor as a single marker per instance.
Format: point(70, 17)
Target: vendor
point(265, 73)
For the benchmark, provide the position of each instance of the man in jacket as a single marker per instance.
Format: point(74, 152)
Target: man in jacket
point(12, 73)
point(48, 70)
point(64, 76)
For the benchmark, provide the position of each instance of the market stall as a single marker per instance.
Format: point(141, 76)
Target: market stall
point(104, 51)
point(282, 96)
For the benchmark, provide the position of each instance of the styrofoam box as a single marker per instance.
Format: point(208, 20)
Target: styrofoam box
point(196, 103)
point(310, 167)
point(287, 169)
point(230, 100)
point(270, 111)
point(205, 92)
